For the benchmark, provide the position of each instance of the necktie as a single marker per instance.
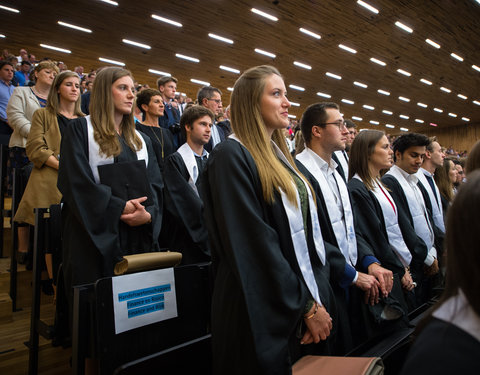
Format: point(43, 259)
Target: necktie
point(432, 185)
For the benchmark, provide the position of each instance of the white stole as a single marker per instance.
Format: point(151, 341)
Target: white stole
point(417, 207)
point(96, 158)
point(342, 223)
point(297, 230)
point(390, 218)
point(437, 209)
point(344, 163)
point(188, 157)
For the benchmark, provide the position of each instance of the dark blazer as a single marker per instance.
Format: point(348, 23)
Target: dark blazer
point(339, 167)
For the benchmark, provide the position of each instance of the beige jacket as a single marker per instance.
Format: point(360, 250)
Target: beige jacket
point(20, 109)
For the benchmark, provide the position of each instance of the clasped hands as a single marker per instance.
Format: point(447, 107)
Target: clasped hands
point(319, 324)
point(134, 213)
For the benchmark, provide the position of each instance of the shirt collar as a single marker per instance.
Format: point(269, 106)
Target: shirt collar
point(326, 168)
point(426, 173)
point(411, 178)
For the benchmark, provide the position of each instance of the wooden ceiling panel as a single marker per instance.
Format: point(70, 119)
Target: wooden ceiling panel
point(454, 25)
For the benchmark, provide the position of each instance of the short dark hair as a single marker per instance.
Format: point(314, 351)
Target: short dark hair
point(144, 97)
point(193, 113)
point(350, 124)
point(4, 62)
point(406, 141)
point(25, 62)
point(315, 114)
point(430, 144)
point(165, 79)
point(206, 92)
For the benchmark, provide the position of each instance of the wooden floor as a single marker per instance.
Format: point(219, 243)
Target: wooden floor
point(15, 326)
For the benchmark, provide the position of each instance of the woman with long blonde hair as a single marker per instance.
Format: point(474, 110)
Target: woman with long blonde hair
point(105, 218)
point(270, 293)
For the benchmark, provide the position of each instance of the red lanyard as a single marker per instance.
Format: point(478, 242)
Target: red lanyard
point(386, 196)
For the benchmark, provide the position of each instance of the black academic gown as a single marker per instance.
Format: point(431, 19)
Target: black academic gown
point(443, 349)
point(259, 293)
point(162, 141)
point(94, 238)
point(184, 230)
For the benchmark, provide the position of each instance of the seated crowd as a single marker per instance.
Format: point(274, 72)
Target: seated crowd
point(321, 237)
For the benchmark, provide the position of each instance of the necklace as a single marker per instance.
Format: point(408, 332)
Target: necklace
point(156, 136)
point(38, 94)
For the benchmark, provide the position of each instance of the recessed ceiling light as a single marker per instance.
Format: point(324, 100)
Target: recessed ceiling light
point(404, 117)
point(228, 69)
point(387, 112)
point(404, 129)
point(348, 49)
point(55, 48)
point(452, 114)
point(13, 10)
point(366, 106)
point(360, 84)
point(167, 20)
point(404, 72)
point(348, 101)
point(462, 96)
point(432, 124)
point(199, 82)
point(136, 44)
point(302, 65)
point(311, 33)
point(263, 14)
point(374, 122)
point(159, 72)
point(356, 118)
point(390, 126)
point(404, 99)
point(455, 56)
point(383, 92)
point(188, 58)
point(110, 61)
point(423, 105)
point(295, 104)
point(432, 43)
point(419, 121)
point(230, 88)
point(262, 52)
point(404, 27)
point(426, 81)
point(110, 2)
point(377, 61)
point(439, 110)
point(292, 116)
point(465, 119)
point(322, 94)
point(220, 38)
point(476, 68)
point(295, 87)
point(367, 6)
point(69, 25)
point(331, 75)
point(445, 89)
point(476, 102)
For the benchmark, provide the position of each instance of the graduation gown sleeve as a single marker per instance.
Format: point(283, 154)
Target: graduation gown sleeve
point(259, 293)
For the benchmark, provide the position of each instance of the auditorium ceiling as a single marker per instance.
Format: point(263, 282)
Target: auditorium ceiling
point(410, 65)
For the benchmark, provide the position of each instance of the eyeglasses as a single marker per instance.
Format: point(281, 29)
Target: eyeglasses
point(218, 101)
point(339, 124)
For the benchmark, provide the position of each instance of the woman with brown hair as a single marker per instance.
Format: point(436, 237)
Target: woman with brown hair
point(449, 339)
point(445, 176)
point(270, 294)
point(105, 218)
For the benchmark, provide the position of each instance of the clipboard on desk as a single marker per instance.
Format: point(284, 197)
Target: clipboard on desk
point(128, 180)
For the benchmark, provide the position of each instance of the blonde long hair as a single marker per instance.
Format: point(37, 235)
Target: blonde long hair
point(53, 100)
point(102, 114)
point(249, 127)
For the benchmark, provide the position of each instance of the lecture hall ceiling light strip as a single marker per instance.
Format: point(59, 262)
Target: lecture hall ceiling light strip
point(310, 33)
point(110, 2)
point(110, 61)
point(166, 20)
point(220, 38)
point(136, 44)
point(265, 53)
point(367, 6)
point(229, 69)
point(159, 72)
point(264, 14)
point(188, 58)
point(59, 49)
point(9, 9)
point(75, 27)
point(199, 82)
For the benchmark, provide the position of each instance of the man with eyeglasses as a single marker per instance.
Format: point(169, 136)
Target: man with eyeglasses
point(211, 98)
point(325, 132)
